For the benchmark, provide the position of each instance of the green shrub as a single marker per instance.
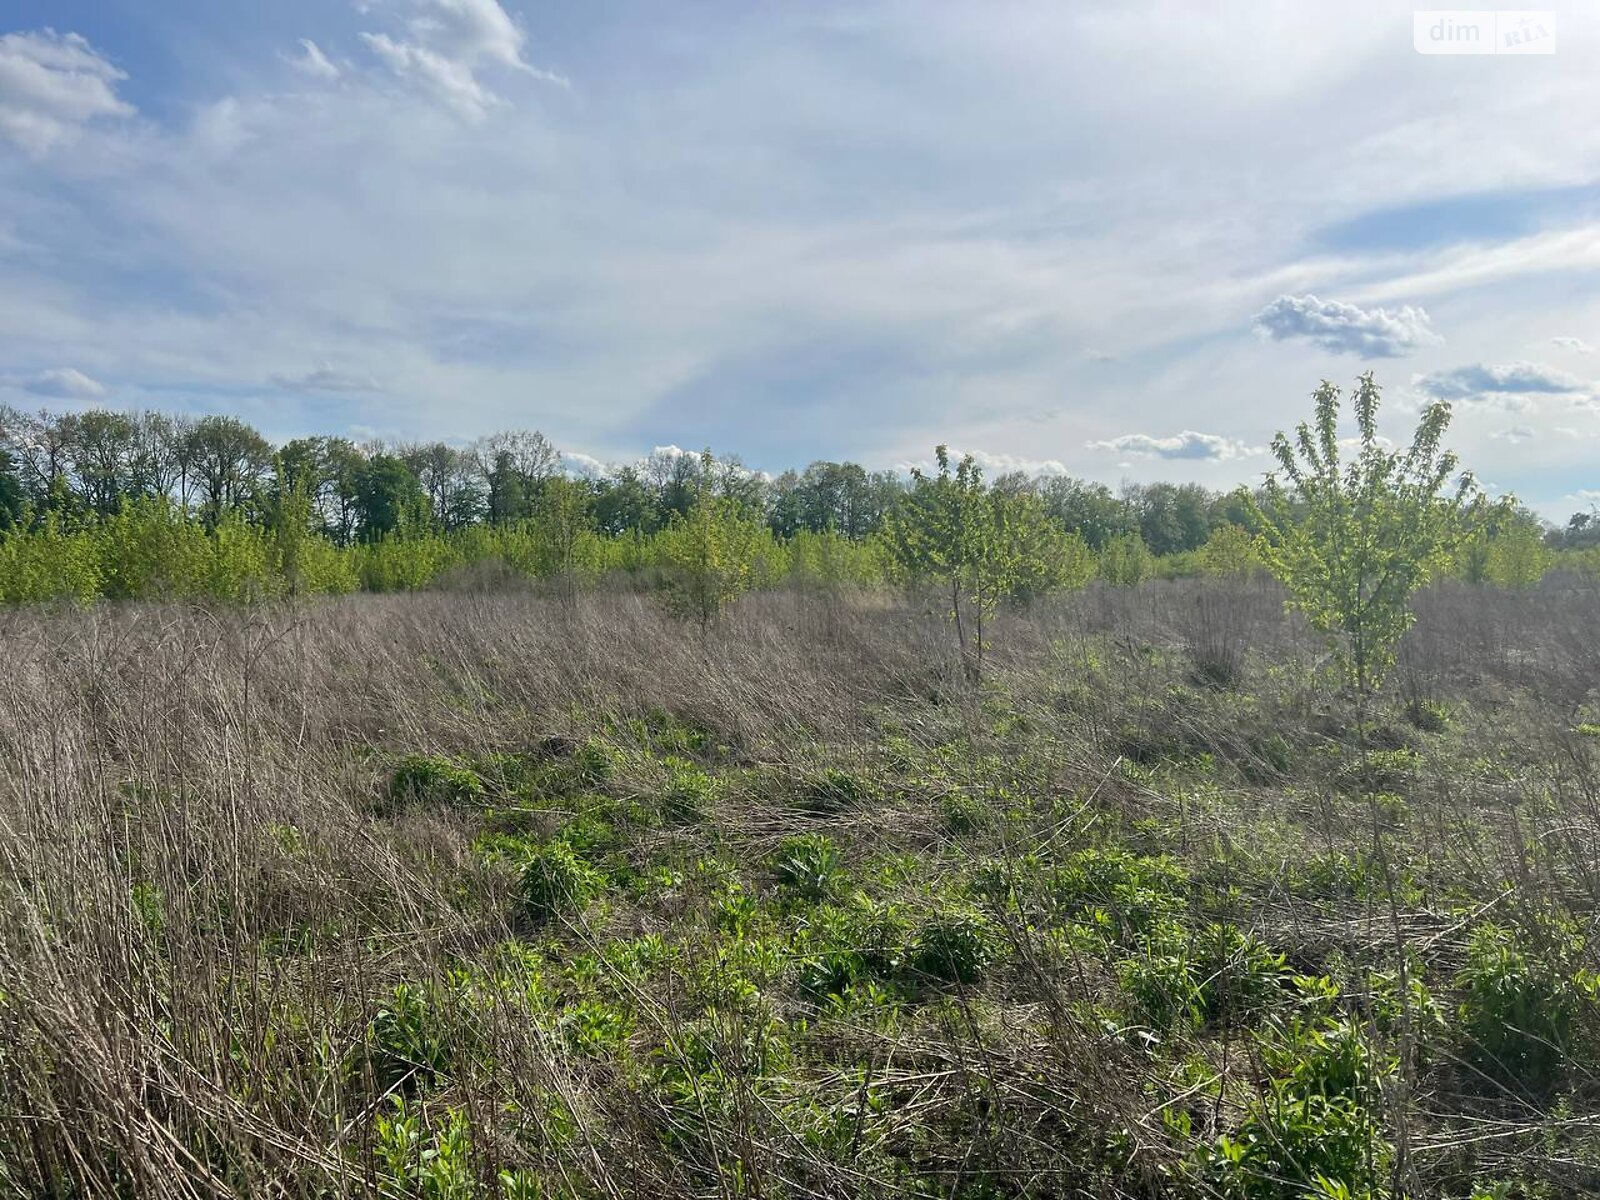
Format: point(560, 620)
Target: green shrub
point(404, 1045)
point(1312, 1131)
point(557, 883)
point(808, 864)
point(834, 791)
point(1239, 975)
point(1125, 561)
point(688, 793)
point(595, 761)
point(433, 779)
point(952, 948)
point(1519, 1015)
point(596, 1029)
point(964, 813)
point(417, 1163)
point(1134, 890)
point(831, 973)
point(1161, 989)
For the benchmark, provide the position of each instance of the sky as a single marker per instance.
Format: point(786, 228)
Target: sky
point(1123, 241)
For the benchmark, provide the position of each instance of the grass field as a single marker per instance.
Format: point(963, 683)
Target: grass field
point(477, 895)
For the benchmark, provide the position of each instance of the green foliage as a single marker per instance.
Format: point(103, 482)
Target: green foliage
point(965, 813)
point(836, 790)
point(713, 554)
point(434, 779)
point(596, 761)
point(49, 563)
point(1519, 1016)
point(1230, 552)
point(954, 947)
point(829, 560)
point(808, 864)
point(1313, 1132)
point(416, 1163)
point(404, 1045)
point(1125, 561)
point(556, 883)
point(689, 791)
point(13, 498)
point(1518, 557)
point(979, 546)
point(1133, 891)
point(1353, 541)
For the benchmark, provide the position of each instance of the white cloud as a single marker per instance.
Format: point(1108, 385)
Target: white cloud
point(326, 379)
point(61, 383)
point(313, 62)
point(583, 466)
point(1516, 435)
point(993, 464)
point(1577, 345)
point(1002, 464)
point(757, 212)
point(1203, 447)
point(1510, 386)
point(51, 85)
point(1345, 328)
point(446, 43)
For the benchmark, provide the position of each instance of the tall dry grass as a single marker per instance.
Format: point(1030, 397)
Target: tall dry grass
point(185, 791)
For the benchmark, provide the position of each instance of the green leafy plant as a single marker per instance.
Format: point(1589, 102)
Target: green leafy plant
point(713, 554)
point(689, 791)
point(979, 546)
point(1312, 1131)
point(415, 1163)
point(1352, 541)
point(954, 947)
point(1520, 1017)
point(835, 790)
point(403, 1042)
point(556, 883)
point(433, 779)
point(808, 864)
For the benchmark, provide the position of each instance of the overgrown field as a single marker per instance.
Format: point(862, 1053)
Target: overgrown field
point(481, 895)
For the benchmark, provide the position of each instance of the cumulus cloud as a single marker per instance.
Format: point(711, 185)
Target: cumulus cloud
point(313, 62)
point(1345, 328)
point(1200, 447)
point(1003, 464)
point(446, 43)
point(1571, 343)
point(1510, 386)
point(993, 464)
point(51, 85)
point(326, 379)
point(61, 383)
point(583, 466)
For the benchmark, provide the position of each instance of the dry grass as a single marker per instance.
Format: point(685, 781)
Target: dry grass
point(205, 900)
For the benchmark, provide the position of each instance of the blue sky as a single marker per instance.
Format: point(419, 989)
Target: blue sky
point(1120, 241)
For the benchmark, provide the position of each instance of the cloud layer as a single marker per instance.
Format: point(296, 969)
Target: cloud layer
point(1511, 385)
point(51, 85)
point(795, 231)
point(326, 379)
point(447, 43)
point(1204, 447)
point(1345, 328)
point(59, 383)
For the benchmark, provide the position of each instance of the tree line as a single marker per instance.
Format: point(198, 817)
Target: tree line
point(124, 504)
point(88, 465)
